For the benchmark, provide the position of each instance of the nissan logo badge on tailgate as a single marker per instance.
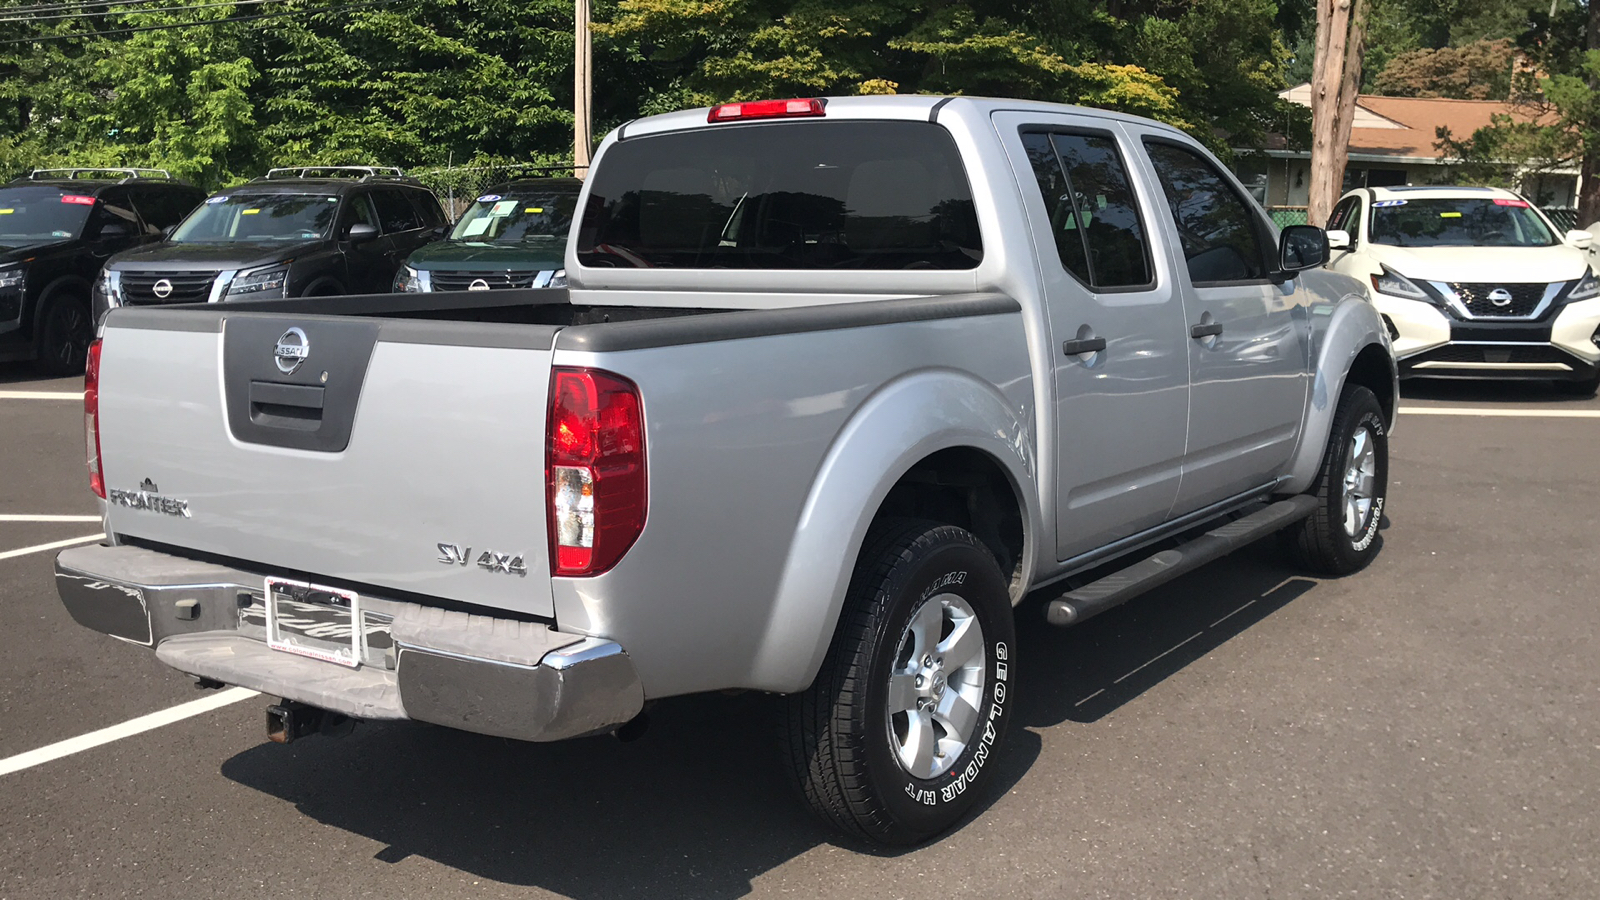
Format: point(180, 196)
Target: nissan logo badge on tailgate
point(162, 289)
point(292, 350)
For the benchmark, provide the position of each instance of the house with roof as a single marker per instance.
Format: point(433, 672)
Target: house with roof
point(1391, 143)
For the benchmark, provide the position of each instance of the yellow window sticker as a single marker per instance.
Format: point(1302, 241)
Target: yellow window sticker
point(6, 212)
point(248, 212)
point(1449, 215)
point(534, 209)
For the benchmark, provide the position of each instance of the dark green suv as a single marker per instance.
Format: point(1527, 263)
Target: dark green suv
point(57, 229)
point(513, 236)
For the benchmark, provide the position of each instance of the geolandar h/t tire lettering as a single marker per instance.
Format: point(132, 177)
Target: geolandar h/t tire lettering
point(893, 740)
point(1342, 535)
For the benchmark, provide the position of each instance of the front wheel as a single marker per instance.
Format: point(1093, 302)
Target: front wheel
point(912, 701)
point(1341, 536)
point(65, 330)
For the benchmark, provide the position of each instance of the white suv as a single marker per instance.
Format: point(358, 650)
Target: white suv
point(1473, 283)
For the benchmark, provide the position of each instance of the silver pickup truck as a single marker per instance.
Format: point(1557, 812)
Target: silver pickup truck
point(837, 385)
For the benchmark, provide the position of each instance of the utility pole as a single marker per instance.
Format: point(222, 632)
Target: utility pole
point(582, 87)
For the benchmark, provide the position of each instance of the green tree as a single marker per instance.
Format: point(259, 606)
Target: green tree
point(1480, 70)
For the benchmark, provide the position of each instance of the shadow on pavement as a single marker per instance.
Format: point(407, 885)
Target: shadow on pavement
point(1084, 673)
point(1486, 391)
point(698, 806)
point(25, 376)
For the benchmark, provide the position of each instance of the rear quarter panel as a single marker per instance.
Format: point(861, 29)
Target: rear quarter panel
point(738, 576)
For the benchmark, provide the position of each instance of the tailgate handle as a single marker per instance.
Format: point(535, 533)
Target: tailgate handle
point(294, 406)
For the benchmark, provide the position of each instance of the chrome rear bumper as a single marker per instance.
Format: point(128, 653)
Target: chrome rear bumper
point(503, 677)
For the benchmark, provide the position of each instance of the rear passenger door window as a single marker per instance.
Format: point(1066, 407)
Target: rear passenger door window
point(164, 207)
point(428, 209)
point(395, 212)
point(1094, 217)
point(114, 211)
point(1221, 237)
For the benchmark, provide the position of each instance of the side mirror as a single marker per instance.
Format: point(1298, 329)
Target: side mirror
point(1583, 240)
point(1338, 240)
point(361, 231)
point(166, 233)
point(111, 231)
point(1302, 247)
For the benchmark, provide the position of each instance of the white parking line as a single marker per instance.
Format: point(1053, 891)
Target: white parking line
point(1506, 413)
point(6, 517)
point(127, 729)
point(53, 545)
point(41, 395)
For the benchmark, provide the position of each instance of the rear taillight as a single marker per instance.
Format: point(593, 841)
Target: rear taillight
point(767, 109)
point(91, 418)
point(594, 470)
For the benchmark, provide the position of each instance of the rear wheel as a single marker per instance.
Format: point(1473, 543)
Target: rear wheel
point(911, 702)
point(1342, 535)
point(65, 330)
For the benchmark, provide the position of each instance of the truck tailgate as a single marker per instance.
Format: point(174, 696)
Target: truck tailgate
point(402, 454)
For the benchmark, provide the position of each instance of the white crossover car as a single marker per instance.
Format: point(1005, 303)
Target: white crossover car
point(1473, 283)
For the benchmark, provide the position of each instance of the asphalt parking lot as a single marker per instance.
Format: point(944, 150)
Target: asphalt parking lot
point(1426, 728)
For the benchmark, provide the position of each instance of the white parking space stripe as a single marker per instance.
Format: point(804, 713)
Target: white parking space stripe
point(18, 518)
point(53, 545)
point(126, 729)
point(41, 395)
point(1506, 413)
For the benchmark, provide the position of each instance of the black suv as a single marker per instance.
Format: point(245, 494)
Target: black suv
point(300, 232)
point(57, 228)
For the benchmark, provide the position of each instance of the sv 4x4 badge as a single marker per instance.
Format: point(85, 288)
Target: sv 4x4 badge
point(488, 560)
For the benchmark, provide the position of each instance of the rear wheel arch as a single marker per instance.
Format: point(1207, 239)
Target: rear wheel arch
point(957, 439)
point(968, 488)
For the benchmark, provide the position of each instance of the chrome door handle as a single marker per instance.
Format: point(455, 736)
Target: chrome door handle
point(1083, 345)
point(1205, 330)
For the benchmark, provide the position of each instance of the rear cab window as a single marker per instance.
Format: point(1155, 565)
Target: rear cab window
point(812, 195)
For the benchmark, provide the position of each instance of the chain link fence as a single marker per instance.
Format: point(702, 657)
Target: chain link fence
point(458, 186)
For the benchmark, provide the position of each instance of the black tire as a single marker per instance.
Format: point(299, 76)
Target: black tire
point(1585, 388)
point(65, 330)
point(1324, 543)
point(844, 743)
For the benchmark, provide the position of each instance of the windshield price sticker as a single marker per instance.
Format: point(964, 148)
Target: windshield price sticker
point(503, 208)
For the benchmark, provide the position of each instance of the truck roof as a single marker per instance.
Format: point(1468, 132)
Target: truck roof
point(911, 107)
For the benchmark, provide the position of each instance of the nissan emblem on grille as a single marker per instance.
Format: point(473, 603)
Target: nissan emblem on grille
point(478, 284)
point(1500, 297)
point(162, 288)
point(292, 350)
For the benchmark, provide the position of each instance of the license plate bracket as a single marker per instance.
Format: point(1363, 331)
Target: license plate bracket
point(315, 621)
